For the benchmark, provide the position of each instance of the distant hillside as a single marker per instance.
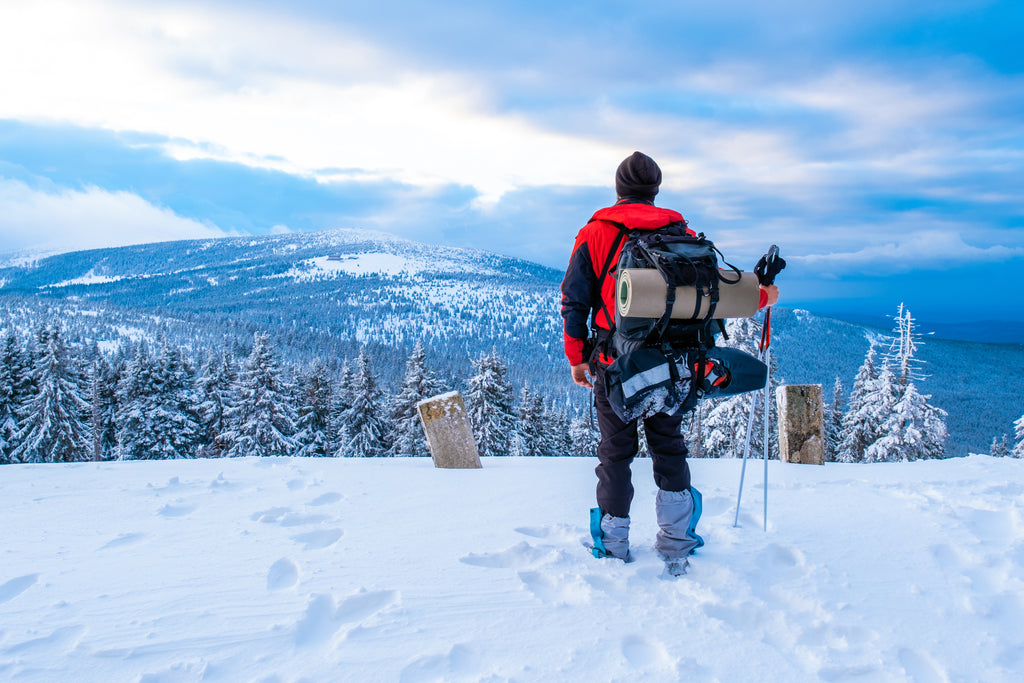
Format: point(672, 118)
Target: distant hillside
point(324, 295)
point(320, 294)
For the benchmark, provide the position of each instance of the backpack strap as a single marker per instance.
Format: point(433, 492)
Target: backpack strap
point(619, 239)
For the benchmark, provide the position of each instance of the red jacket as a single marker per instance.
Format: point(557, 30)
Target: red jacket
point(589, 255)
point(594, 241)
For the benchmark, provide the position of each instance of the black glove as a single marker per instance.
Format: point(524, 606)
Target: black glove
point(769, 266)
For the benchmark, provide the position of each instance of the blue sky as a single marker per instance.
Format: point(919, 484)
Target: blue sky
point(880, 145)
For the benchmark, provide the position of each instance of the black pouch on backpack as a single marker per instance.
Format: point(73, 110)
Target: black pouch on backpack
point(648, 381)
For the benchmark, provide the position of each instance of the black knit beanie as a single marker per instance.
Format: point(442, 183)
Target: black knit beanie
point(638, 176)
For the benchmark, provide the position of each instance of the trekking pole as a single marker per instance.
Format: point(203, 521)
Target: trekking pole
point(746, 451)
point(766, 338)
point(767, 268)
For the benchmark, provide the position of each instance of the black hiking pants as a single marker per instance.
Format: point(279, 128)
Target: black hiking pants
point(619, 445)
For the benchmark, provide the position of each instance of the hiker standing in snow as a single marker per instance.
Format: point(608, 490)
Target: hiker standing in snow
point(597, 248)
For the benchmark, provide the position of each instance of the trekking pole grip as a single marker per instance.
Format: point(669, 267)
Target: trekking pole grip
point(769, 266)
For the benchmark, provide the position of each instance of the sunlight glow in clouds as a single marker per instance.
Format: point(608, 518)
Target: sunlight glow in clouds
point(331, 101)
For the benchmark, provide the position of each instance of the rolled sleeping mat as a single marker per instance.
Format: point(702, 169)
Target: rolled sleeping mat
point(641, 292)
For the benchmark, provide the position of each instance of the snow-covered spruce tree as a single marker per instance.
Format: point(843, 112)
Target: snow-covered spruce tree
point(933, 421)
point(156, 408)
point(911, 431)
point(262, 421)
point(555, 439)
point(860, 424)
point(724, 421)
point(103, 390)
point(1000, 446)
point(134, 398)
point(834, 422)
point(366, 431)
point(584, 437)
point(880, 411)
point(694, 430)
point(315, 399)
point(54, 420)
point(8, 419)
point(1018, 448)
point(529, 434)
point(342, 403)
point(216, 385)
point(418, 384)
point(489, 403)
point(175, 419)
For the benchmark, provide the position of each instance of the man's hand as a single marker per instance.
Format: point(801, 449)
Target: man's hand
point(773, 294)
point(579, 375)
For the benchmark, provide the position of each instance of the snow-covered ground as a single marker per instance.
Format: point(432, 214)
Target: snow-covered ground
point(390, 570)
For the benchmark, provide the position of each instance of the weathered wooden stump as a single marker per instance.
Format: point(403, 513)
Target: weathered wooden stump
point(449, 433)
point(801, 424)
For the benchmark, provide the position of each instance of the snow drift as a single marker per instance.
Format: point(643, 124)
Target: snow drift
point(280, 569)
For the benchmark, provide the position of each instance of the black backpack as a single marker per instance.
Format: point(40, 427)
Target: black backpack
point(662, 364)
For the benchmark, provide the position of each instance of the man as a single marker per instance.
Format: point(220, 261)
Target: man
point(637, 181)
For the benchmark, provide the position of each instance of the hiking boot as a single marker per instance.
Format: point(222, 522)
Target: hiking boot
point(676, 567)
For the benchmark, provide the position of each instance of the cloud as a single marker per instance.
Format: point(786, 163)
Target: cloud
point(935, 249)
point(274, 92)
point(70, 220)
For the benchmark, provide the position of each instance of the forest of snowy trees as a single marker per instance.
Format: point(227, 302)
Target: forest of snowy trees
point(66, 403)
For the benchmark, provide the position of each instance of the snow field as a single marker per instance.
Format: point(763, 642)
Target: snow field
point(282, 569)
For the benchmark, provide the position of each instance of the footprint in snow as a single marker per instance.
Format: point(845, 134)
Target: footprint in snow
point(561, 590)
point(993, 526)
point(124, 539)
point(172, 483)
point(780, 557)
point(16, 587)
point(283, 574)
point(299, 519)
point(317, 540)
point(645, 654)
point(176, 510)
point(220, 483)
point(63, 640)
point(325, 499)
point(323, 618)
point(518, 556)
point(270, 516)
point(461, 662)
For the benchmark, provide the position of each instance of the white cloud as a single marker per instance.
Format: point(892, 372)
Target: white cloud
point(937, 248)
point(272, 91)
point(70, 220)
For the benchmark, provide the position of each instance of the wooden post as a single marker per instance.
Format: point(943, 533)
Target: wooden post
point(449, 433)
point(801, 424)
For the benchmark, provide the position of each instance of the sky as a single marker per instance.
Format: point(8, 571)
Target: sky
point(879, 144)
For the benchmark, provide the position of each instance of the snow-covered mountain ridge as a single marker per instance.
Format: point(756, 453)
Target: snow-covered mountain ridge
point(324, 295)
